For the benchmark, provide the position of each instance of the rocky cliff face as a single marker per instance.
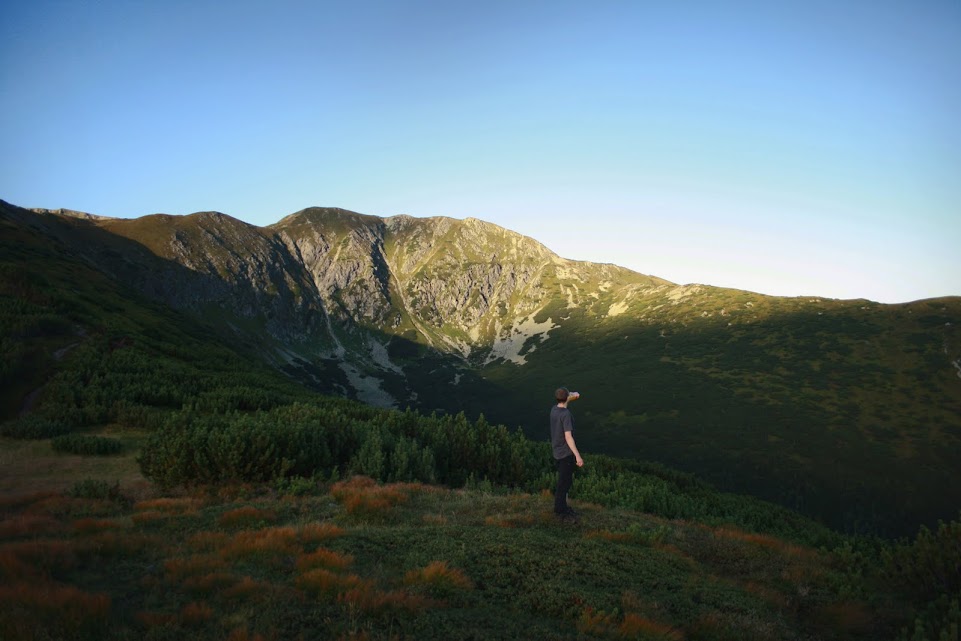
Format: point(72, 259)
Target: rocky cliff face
point(330, 284)
point(458, 286)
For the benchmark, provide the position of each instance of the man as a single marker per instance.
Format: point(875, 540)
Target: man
point(566, 455)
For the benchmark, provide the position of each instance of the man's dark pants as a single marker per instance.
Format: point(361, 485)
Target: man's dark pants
point(565, 478)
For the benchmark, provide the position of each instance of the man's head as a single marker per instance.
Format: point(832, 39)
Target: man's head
point(561, 394)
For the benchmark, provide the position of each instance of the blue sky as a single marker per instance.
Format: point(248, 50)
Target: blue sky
point(789, 148)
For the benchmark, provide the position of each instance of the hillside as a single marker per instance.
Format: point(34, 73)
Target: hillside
point(161, 481)
point(847, 410)
point(357, 559)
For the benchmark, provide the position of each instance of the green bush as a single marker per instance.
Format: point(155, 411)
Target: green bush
point(34, 427)
point(86, 445)
point(929, 566)
point(95, 489)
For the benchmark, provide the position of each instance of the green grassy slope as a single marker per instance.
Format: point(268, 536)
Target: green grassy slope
point(849, 411)
point(846, 410)
point(405, 561)
point(265, 542)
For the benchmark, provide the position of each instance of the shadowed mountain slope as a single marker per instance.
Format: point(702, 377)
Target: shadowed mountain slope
point(847, 410)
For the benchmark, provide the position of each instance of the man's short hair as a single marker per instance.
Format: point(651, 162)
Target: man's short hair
point(561, 394)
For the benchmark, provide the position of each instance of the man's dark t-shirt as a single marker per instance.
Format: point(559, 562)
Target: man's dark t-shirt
point(561, 421)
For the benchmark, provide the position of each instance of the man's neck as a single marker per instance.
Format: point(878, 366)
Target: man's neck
point(564, 405)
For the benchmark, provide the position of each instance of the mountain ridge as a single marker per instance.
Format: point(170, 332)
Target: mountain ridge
point(809, 401)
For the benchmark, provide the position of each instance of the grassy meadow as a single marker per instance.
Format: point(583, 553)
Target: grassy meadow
point(159, 481)
point(358, 559)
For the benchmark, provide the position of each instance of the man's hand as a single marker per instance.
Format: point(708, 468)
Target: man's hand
point(579, 461)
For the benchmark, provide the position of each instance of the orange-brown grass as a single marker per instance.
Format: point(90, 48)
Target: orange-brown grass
point(632, 626)
point(766, 593)
point(372, 601)
point(437, 576)
point(115, 543)
point(177, 569)
point(207, 541)
point(243, 634)
point(324, 558)
point(247, 515)
point(595, 623)
point(28, 524)
point(151, 516)
point(50, 504)
point(22, 501)
point(43, 609)
point(275, 540)
point(766, 541)
point(208, 583)
point(41, 556)
point(323, 582)
point(228, 492)
point(91, 525)
point(361, 495)
point(169, 505)
point(195, 613)
point(246, 588)
point(317, 532)
point(12, 567)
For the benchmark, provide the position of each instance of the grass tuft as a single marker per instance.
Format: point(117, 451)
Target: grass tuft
point(92, 525)
point(247, 515)
point(50, 610)
point(438, 578)
point(180, 505)
point(243, 634)
point(207, 541)
point(324, 583)
point(246, 588)
point(268, 541)
point(361, 495)
point(40, 557)
point(209, 583)
point(317, 532)
point(23, 525)
point(376, 602)
point(196, 613)
point(178, 569)
point(324, 558)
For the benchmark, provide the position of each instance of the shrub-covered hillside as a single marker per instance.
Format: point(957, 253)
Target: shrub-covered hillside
point(272, 512)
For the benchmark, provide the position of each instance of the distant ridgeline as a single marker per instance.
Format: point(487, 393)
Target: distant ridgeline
point(847, 411)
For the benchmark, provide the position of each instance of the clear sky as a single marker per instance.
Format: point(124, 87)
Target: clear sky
point(789, 148)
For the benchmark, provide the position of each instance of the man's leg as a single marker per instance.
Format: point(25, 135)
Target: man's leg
point(565, 478)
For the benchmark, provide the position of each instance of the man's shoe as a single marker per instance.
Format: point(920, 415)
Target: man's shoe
point(567, 517)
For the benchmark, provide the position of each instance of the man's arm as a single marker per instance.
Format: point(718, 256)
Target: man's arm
point(569, 437)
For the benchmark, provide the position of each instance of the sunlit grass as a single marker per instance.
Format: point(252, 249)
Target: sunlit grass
point(444, 552)
point(323, 558)
point(247, 515)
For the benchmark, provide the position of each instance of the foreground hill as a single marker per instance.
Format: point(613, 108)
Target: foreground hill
point(358, 559)
point(847, 410)
point(244, 530)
